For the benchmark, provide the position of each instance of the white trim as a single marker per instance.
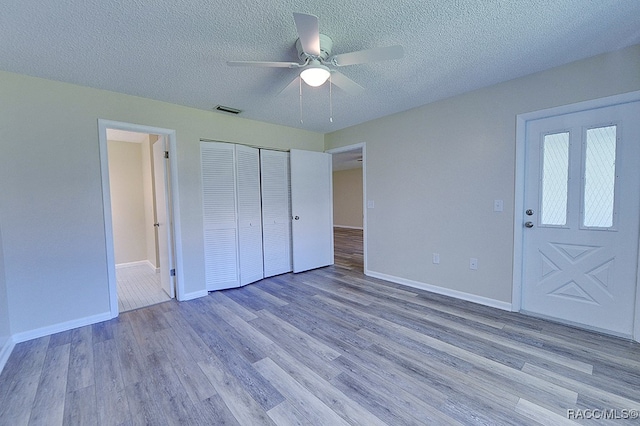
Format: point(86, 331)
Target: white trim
point(480, 300)
point(359, 146)
point(63, 326)
point(194, 295)
point(5, 352)
point(170, 135)
point(138, 263)
point(521, 126)
point(348, 227)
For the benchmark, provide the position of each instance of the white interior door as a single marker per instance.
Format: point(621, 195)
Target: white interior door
point(276, 212)
point(249, 214)
point(582, 201)
point(163, 216)
point(219, 215)
point(312, 209)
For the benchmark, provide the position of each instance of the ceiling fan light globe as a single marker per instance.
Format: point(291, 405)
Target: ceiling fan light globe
point(315, 76)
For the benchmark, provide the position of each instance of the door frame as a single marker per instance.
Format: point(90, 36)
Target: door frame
point(519, 202)
point(359, 146)
point(170, 136)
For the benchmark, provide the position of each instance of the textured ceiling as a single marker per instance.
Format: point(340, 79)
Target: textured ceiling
point(176, 51)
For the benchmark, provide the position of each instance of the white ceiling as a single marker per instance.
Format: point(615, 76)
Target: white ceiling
point(176, 50)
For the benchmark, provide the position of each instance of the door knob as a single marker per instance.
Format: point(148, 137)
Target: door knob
point(529, 212)
point(528, 224)
point(297, 217)
point(157, 225)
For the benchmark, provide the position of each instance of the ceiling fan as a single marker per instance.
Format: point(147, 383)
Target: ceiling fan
point(317, 62)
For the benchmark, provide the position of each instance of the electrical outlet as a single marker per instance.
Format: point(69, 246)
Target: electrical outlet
point(436, 258)
point(473, 263)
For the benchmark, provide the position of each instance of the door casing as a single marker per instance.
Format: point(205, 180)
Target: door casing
point(519, 204)
point(170, 137)
point(362, 146)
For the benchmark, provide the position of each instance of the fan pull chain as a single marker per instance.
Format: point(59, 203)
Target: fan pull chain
point(300, 81)
point(330, 101)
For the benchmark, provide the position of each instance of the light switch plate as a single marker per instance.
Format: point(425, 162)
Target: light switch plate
point(370, 204)
point(473, 263)
point(498, 205)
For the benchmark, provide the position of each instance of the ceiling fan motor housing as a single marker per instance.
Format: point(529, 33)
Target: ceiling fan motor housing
point(325, 49)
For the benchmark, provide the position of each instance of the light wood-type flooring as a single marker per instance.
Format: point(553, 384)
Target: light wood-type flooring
point(138, 286)
point(325, 347)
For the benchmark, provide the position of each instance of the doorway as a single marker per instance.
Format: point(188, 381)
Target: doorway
point(138, 182)
point(349, 208)
point(579, 226)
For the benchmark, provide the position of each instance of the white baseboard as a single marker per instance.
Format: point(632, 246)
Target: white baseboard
point(505, 306)
point(63, 326)
point(348, 227)
point(138, 263)
point(5, 351)
point(192, 295)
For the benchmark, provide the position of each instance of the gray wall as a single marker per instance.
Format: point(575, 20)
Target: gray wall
point(434, 172)
point(347, 198)
point(5, 329)
point(50, 185)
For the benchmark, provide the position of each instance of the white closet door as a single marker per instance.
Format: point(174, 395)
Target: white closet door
point(220, 221)
point(312, 209)
point(249, 214)
point(276, 212)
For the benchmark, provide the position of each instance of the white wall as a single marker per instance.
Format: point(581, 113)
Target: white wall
point(5, 329)
point(50, 186)
point(347, 198)
point(434, 172)
point(127, 201)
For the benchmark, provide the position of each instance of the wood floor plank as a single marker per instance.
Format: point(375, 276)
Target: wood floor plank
point(48, 405)
point(312, 408)
point(345, 407)
point(245, 409)
point(144, 405)
point(191, 378)
point(112, 406)
point(166, 388)
point(80, 407)
point(376, 400)
point(235, 352)
point(213, 411)
point(285, 414)
point(391, 382)
point(315, 353)
point(541, 415)
point(80, 359)
point(221, 298)
point(18, 401)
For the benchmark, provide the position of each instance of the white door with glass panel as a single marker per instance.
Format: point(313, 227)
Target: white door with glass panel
point(581, 217)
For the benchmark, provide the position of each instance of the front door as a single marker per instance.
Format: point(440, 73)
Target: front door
point(582, 204)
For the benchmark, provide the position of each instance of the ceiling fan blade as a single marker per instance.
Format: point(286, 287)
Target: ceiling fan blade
point(345, 83)
point(289, 87)
point(263, 64)
point(369, 55)
point(308, 32)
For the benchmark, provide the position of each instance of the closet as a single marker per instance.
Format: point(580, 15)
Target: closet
point(246, 214)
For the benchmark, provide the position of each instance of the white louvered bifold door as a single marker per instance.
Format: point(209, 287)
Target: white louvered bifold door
point(276, 212)
point(219, 215)
point(249, 214)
